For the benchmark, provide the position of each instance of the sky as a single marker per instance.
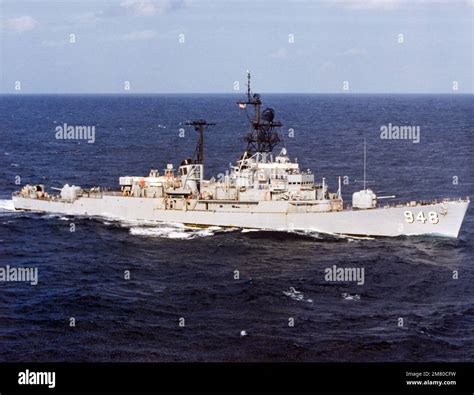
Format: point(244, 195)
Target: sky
point(206, 46)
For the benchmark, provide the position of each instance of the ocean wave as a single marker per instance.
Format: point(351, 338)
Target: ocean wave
point(347, 296)
point(175, 231)
point(249, 230)
point(296, 295)
point(325, 235)
point(311, 233)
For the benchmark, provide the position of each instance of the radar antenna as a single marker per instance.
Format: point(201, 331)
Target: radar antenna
point(364, 181)
point(263, 136)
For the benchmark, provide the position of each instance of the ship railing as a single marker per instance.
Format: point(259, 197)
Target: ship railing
point(414, 203)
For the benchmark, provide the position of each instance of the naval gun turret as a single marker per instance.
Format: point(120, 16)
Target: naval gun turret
point(365, 198)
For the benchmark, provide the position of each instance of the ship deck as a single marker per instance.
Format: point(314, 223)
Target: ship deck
point(100, 195)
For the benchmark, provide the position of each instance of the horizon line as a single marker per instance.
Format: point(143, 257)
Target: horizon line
point(224, 93)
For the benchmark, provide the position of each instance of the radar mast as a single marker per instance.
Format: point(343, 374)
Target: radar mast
point(199, 126)
point(263, 136)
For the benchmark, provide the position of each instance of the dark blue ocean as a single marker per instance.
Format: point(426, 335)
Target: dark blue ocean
point(178, 272)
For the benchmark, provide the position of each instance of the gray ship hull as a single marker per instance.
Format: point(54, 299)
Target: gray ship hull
point(437, 218)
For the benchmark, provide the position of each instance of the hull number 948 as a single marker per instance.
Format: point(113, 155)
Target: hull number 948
point(432, 217)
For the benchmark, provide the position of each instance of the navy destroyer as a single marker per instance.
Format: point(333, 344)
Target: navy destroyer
point(262, 190)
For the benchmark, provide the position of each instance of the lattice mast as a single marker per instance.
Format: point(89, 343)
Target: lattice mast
point(263, 136)
point(200, 125)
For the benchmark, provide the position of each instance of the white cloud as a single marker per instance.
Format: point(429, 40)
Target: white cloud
point(369, 4)
point(356, 51)
point(141, 35)
point(53, 43)
point(88, 17)
point(21, 24)
point(281, 53)
point(326, 66)
point(391, 4)
point(151, 7)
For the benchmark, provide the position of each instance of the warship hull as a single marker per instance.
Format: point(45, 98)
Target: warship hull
point(436, 218)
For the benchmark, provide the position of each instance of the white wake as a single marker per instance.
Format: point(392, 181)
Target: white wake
point(175, 231)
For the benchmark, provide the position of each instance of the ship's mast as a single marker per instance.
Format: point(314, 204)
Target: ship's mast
point(263, 137)
point(365, 162)
point(199, 126)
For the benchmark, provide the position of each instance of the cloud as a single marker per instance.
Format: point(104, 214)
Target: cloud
point(53, 43)
point(88, 17)
point(356, 51)
point(369, 4)
point(326, 66)
point(281, 53)
point(21, 24)
point(141, 35)
point(391, 4)
point(151, 7)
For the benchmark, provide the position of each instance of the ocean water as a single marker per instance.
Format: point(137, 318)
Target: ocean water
point(178, 272)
